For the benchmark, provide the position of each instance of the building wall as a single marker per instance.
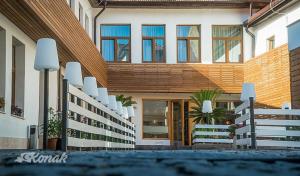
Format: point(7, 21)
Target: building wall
point(175, 77)
point(277, 27)
point(295, 77)
point(87, 10)
point(172, 17)
point(14, 130)
point(270, 72)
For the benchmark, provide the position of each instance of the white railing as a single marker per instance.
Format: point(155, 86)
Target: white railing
point(90, 124)
point(211, 134)
point(269, 132)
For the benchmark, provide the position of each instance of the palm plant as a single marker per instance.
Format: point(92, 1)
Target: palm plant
point(196, 112)
point(126, 101)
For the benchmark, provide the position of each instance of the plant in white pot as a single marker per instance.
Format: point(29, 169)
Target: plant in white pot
point(54, 129)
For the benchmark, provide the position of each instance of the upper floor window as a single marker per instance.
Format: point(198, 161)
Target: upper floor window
point(80, 14)
point(188, 43)
point(87, 24)
point(154, 43)
point(270, 43)
point(227, 43)
point(115, 43)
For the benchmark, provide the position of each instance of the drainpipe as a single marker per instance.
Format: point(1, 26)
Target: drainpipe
point(250, 33)
point(104, 2)
point(253, 39)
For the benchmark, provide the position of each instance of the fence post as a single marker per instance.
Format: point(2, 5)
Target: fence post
point(64, 115)
point(252, 124)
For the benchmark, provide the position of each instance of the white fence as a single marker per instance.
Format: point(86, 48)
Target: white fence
point(211, 134)
point(90, 124)
point(269, 130)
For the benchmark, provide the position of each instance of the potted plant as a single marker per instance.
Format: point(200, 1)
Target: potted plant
point(54, 129)
point(197, 99)
point(2, 102)
point(15, 110)
point(126, 101)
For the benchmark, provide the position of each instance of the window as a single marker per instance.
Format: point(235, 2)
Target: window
point(153, 43)
point(155, 119)
point(2, 66)
point(87, 24)
point(188, 43)
point(18, 78)
point(80, 14)
point(270, 43)
point(115, 43)
point(72, 5)
point(227, 44)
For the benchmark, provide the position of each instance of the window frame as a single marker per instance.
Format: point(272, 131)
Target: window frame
point(168, 119)
point(153, 59)
point(269, 41)
point(188, 39)
point(115, 43)
point(226, 39)
point(80, 14)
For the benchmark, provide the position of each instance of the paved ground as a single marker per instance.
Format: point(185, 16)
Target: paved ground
point(160, 163)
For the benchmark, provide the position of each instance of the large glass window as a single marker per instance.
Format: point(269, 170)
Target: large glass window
point(18, 78)
point(115, 43)
point(154, 43)
point(227, 44)
point(2, 68)
point(188, 43)
point(155, 119)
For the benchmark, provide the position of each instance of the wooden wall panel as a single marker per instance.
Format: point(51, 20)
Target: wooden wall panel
point(174, 77)
point(295, 77)
point(271, 74)
point(54, 18)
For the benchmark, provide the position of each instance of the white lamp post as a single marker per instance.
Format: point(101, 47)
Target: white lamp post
point(120, 107)
point(207, 108)
point(125, 112)
point(248, 91)
point(73, 74)
point(46, 59)
point(248, 94)
point(90, 86)
point(103, 96)
point(112, 102)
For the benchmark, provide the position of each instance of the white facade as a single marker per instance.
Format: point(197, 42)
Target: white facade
point(86, 18)
point(172, 17)
point(277, 27)
point(11, 126)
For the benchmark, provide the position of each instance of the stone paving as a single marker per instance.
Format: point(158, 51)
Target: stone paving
point(159, 163)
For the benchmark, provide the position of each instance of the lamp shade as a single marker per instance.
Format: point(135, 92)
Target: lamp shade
point(248, 91)
point(103, 96)
point(90, 86)
point(286, 105)
point(125, 112)
point(207, 107)
point(120, 107)
point(73, 74)
point(112, 102)
point(46, 55)
point(130, 111)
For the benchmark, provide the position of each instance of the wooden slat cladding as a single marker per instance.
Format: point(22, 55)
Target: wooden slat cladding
point(295, 77)
point(54, 18)
point(271, 74)
point(174, 77)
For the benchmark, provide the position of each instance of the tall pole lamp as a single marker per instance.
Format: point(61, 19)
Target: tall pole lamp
point(46, 59)
point(248, 94)
point(206, 109)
